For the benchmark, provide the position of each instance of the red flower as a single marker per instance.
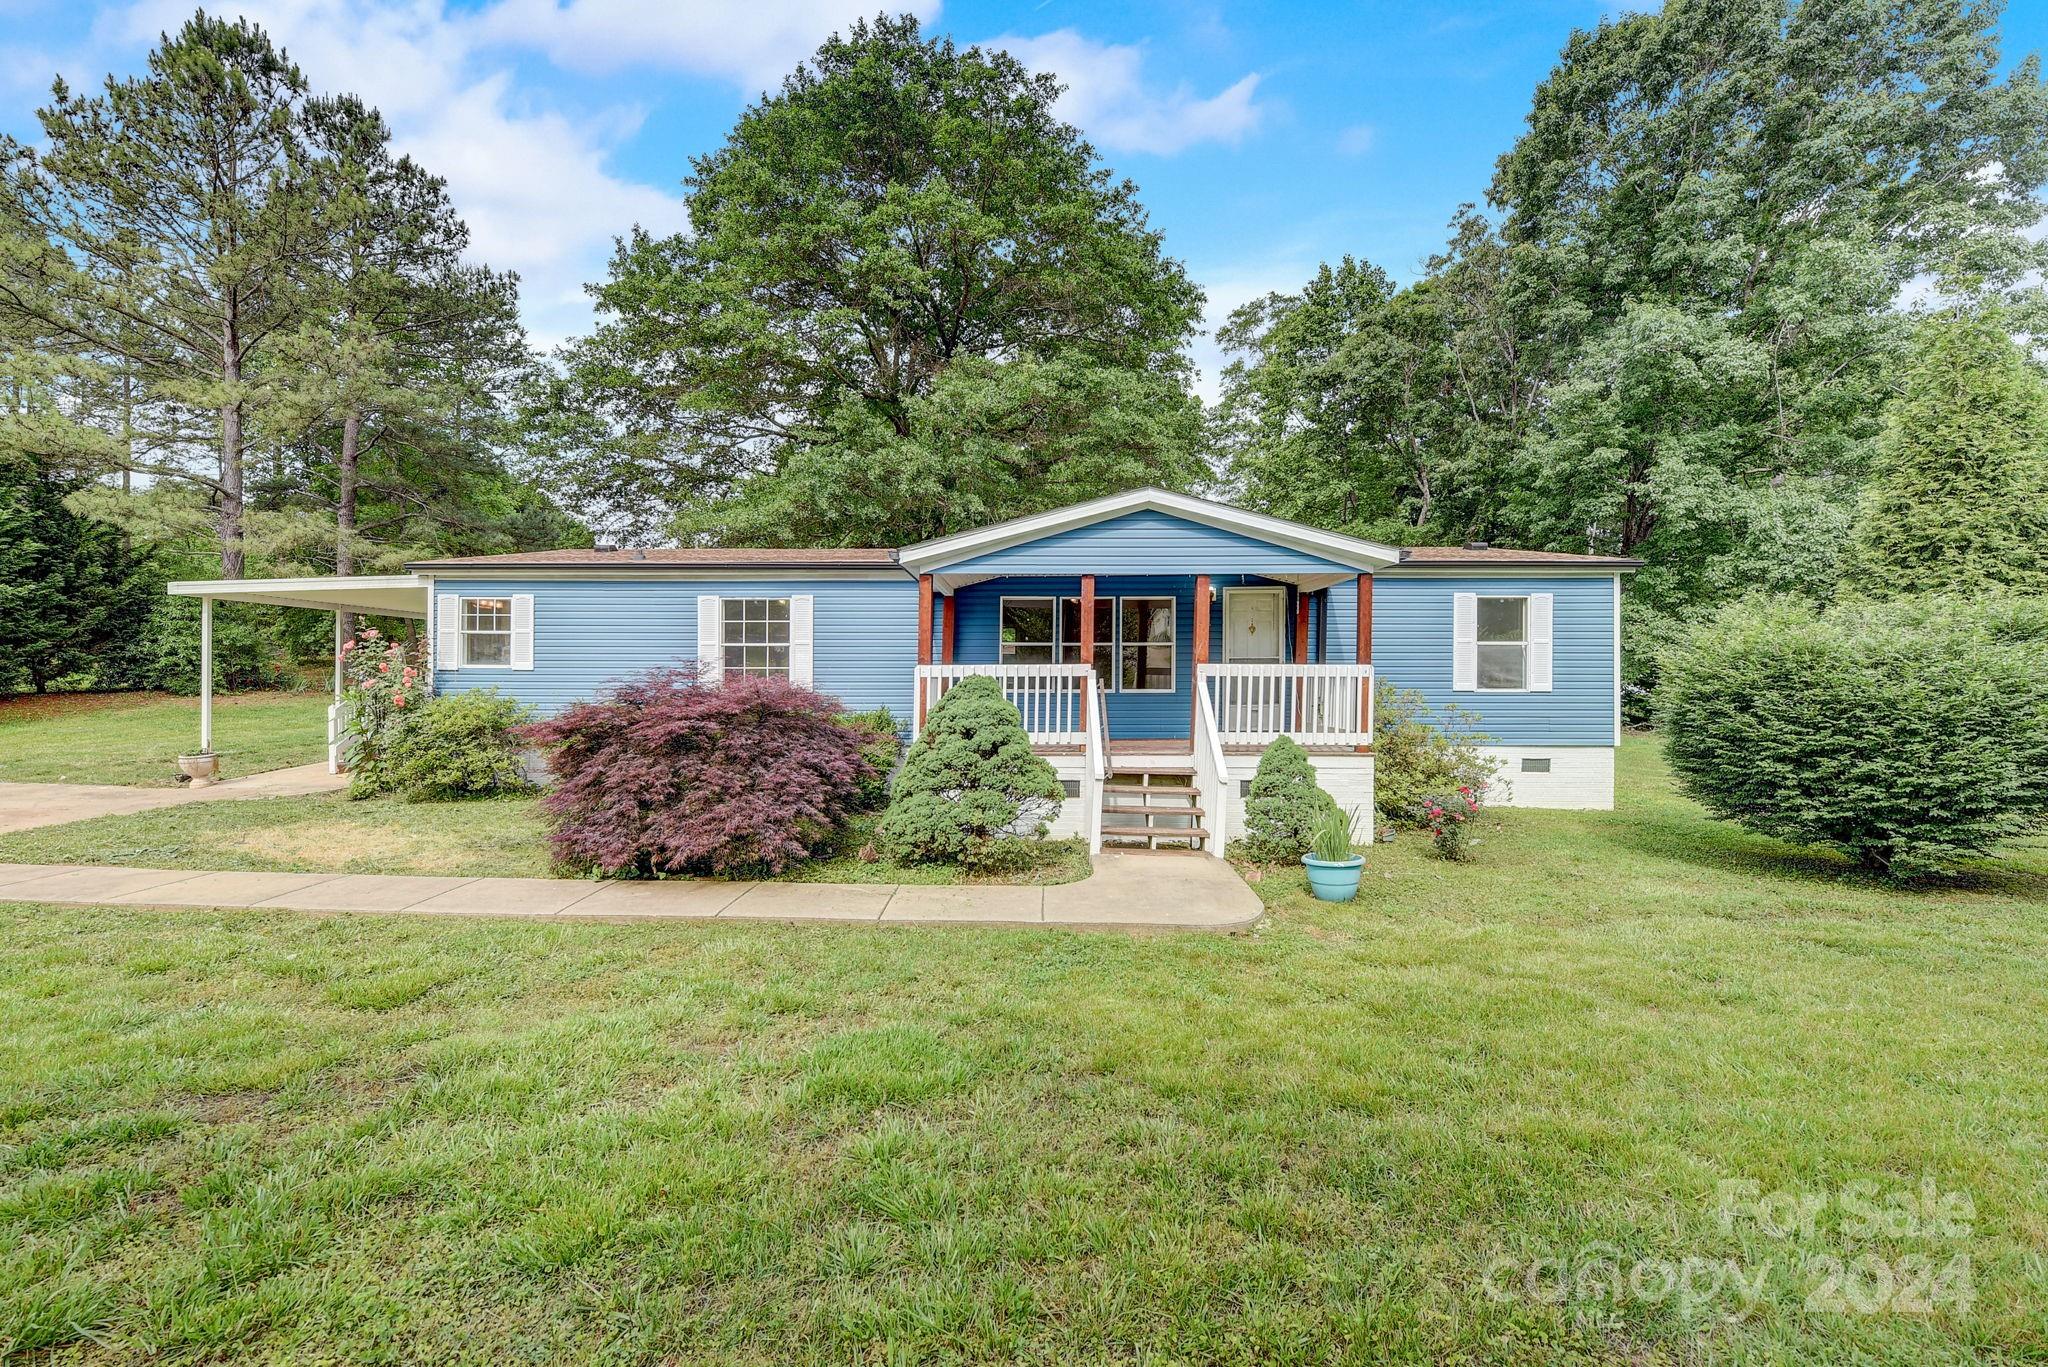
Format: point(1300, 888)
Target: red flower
point(398, 699)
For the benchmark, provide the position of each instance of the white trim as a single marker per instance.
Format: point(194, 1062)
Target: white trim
point(377, 595)
point(1538, 631)
point(802, 638)
point(463, 633)
point(1345, 550)
point(1172, 645)
point(1494, 572)
point(1617, 659)
point(446, 629)
point(1003, 602)
point(1270, 591)
point(1528, 627)
point(1464, 642)
point(522, 631)
point(737, 574)
point(710, 638)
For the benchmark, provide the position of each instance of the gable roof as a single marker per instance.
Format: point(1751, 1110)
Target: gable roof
point(1345, 550)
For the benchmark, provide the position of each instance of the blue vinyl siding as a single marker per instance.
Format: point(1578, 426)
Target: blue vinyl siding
point(590, 633)
point(1412, 648)
point(1148, 543)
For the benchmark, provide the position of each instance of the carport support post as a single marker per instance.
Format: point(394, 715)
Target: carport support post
point(206, 676)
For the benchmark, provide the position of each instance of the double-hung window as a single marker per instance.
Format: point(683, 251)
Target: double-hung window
point(1145, 663)
point(1503, 643)
point(756, 636)
point(486, 633)
point(1104, 635)
point(1044, 631)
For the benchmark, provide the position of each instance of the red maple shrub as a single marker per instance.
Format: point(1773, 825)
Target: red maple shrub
point(666, 775)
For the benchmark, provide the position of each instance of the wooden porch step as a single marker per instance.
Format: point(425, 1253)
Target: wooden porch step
point(1170, 770)
point(1126, 809)
point(1154, 833)
point(1162, 790)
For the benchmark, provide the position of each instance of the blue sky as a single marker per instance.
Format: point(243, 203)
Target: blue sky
point(1264, 138)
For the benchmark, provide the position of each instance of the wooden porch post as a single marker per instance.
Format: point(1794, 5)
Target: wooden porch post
point(924, 637)
point(1201, 652)
point(1087, 638)
point(947, 613)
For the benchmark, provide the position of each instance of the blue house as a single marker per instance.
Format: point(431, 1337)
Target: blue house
point(1154, 643)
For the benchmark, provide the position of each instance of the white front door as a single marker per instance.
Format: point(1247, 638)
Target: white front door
point(1254, 632)
point(1254, 626)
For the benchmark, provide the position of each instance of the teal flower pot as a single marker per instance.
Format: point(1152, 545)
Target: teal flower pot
point(1334, 880)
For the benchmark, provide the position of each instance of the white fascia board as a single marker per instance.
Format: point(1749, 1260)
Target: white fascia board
point(451, 575)
point(1347, 550)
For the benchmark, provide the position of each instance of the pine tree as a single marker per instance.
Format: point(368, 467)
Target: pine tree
point(68, 587)
point(170, 231)
point(1958, 499)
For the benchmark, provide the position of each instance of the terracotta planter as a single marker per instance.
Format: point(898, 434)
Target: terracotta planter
point(203, 768)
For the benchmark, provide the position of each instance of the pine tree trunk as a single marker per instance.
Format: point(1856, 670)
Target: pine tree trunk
point(231, 456)
point(345, 508)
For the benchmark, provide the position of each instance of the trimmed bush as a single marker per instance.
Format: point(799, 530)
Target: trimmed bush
point(1415, 762)
point(1908, 736)
point(881, 745)
point(666, 775)
point(458, 746)
point(970, 779)
point(1285, 806)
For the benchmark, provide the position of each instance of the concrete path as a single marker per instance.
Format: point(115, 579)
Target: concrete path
point(23, 805)
point(1126, 891)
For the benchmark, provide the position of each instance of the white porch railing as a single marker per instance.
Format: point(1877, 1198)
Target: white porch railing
point(339, 741)
point(1212, 773)
point(1098, 763)
point(1315, 704)
point(1051, 698)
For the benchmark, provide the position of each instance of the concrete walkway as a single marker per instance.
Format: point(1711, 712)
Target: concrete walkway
point(24, 805)
point(1126, 891)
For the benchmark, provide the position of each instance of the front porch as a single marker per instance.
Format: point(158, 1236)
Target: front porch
point(1164, 686)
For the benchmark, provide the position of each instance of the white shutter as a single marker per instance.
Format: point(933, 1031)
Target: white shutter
point(1540, 610)
point(1465, 642)
point(710, 638)
point(801, 613)
point(522, 631)
point(447, 631)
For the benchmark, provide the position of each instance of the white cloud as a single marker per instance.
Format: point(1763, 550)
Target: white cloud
point(1108, 99)
point(753, 43)
point(1357, 140)
point(529, 180)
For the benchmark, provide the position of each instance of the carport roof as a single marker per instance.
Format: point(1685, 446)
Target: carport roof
point(382, 595)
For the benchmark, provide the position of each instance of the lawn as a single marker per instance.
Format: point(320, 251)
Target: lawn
point(136, 738)
point(266, 1136)
point(328, 833)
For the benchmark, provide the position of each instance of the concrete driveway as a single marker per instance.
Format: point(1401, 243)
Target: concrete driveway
point(24, 805)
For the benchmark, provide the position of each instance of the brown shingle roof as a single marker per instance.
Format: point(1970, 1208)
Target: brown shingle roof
point(701, 557)
point(1506, 555)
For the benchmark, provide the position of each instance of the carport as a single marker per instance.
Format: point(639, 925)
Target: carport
point(375, 595)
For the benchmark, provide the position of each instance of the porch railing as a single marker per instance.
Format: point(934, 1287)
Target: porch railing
point(1049, 697)
point(1327, 704)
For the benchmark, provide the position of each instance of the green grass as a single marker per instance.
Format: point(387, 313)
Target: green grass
point(135, 738)
point(327, 833)
point(272, 1137)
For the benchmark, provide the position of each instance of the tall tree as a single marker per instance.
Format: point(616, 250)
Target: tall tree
point(184, 214)
point(901, 222)
point(1958, 500)
point(69, 588)
point(400, 331)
